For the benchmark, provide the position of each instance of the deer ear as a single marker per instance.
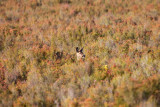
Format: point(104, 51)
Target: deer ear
point(77, 49)
point(81, 50)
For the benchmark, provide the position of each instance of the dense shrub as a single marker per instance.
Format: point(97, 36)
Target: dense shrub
point(38, 65)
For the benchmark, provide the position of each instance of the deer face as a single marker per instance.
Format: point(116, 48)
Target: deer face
point(80, 54)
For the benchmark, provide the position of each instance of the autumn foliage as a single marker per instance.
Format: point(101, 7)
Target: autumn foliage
point(38, 65)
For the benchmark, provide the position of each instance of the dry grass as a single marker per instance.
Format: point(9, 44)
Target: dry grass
point(121, 41)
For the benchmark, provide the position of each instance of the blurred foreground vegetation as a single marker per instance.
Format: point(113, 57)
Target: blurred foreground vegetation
point(121, 40)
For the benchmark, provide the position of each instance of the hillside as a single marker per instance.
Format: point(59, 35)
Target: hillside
point(120, 40)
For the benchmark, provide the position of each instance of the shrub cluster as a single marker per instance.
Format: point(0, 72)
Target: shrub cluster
point(121, 40)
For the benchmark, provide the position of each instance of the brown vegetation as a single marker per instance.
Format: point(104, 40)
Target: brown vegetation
point(38, 65)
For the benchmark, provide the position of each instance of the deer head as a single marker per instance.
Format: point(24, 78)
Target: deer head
point(80, 54)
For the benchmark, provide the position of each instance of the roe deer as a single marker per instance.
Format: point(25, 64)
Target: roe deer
point(80, 54)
